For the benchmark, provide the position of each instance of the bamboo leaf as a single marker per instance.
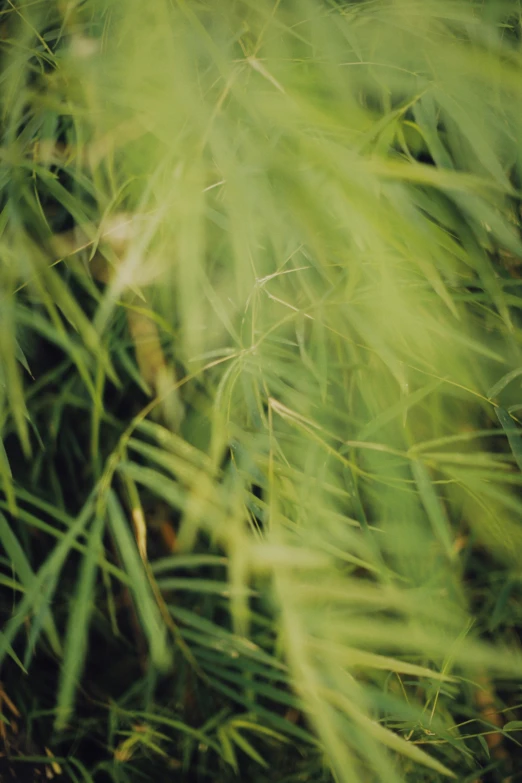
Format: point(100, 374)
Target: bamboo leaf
point(513, 434)
point(434, 508)
point(246, 747)
point(153, 625)
point(75, 646)
point(22, 567)
point(39, 593)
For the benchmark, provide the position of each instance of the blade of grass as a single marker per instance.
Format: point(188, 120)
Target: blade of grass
point(434, 508)
point(150, 616)
point(75, 646)
point(22, 567)
point(513, 434)
point(44, 583)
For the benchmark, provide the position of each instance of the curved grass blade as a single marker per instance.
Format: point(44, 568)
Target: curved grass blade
point(150, 616)
point(434, 508)
point(44, 582)
point(513, 434)
point(26, 575)
point(503, 382)
point(78, 626)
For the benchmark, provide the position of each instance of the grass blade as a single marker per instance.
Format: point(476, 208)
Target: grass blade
point(434, 508)
point(78, 626)
point(513, 434)
point(153, 625)
point(26, 575)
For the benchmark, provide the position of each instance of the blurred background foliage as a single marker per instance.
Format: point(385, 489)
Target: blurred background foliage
point(260, 360)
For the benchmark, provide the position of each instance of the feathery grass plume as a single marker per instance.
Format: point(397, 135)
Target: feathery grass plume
point(310, 211)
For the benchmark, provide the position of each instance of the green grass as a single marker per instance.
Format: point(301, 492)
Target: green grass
point(260, 298)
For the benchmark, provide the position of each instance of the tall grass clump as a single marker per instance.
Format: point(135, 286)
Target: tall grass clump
point(260, 361)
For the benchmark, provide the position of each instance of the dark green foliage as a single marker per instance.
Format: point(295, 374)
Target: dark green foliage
point(259, 310)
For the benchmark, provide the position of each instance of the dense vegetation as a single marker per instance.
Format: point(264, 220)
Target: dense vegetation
point(260, 362)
